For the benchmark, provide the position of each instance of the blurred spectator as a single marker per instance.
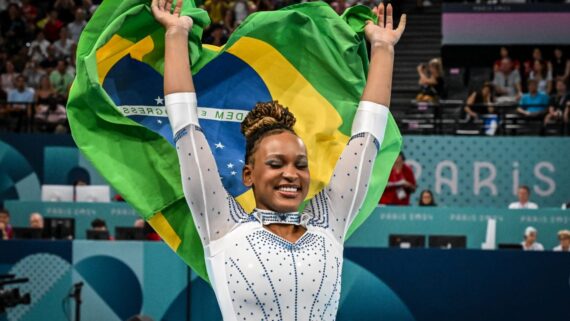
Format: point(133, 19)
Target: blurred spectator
point(536, 56)
point(36, 220)
point(63, 45)
point(240, 9)
point(564, 238)
point(542, 75)
point(98, 225)
point(530, 243)
point(139, 223)
point(217, 10)
point(507, 82)
point(559, 103)
point(426, 198)
point(504, 53)
point(339, 6)
point(560, 66)
point(534, 103)
point(30, 12)
point(65, 10)
point(8, 78)
point(432, 86)
point(13, 28)
point(21, 94)
point(481, 102)
point(51, 116)
point(5, 226)
point(88, 7)
point(76, 27)
point(61, 79)
point(401, 184)
point(33, 73)
point(38, 48)
point(217, 35)
point(264, 5)
point(51, 61)
point(51, 26)
point(524, 202)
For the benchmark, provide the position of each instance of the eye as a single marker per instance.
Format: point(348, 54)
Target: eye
point(274, 163)
point(302, 164)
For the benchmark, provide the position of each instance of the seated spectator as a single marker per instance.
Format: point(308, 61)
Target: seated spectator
point(33, 73)
point(8, 77)
point(76, 27)
point(13, 29)
point(559, 103)
point(401, 184)
point(240, 9)
point(36, 220)
point(504, 53)
point(98, 225)
point(21, 96)
point(507, 82)
point(523, 195)
point(529, 64)
point(542, 75)
point(60, 79)
point(38, 48)
point(5, 227)
point(339, 6)
point(50, 62)
point(534, 103)
point(218, 35)
point(530, 243)
point(560, 66)
point(51, 25)
point(481, 102)
point(426, 198)
point(564, 238)
point(217, 10)
point(432, 86)
point(139, 223)
point(63, 45)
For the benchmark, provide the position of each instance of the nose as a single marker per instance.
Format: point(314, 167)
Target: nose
point(290, 173)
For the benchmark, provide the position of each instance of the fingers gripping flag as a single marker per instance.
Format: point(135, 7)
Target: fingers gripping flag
point(305, 56)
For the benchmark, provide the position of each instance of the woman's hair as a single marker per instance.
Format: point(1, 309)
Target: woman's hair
point(421, 202)
point(436, 63)
point(265, 119)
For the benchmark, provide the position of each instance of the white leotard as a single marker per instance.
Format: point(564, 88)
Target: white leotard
point(256, 274)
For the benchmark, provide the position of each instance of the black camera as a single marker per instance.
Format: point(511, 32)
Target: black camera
point(10, 298)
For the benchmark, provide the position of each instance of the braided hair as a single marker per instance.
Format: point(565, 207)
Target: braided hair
point(267, 118)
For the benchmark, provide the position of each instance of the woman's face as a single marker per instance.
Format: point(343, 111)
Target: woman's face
point(537, 54)
point(279, 173)
point(426, 198)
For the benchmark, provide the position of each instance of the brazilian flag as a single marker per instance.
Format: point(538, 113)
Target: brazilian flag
point(305, 56)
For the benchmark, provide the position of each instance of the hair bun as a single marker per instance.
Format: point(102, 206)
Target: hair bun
point(268, 115)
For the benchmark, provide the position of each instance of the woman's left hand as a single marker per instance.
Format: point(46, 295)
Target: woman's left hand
point(383, 33)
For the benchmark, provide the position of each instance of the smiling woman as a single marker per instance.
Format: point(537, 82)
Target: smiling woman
point(276, 263)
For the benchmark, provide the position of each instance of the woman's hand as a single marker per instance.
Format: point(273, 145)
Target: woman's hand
point(161, 10)
point(383, 33)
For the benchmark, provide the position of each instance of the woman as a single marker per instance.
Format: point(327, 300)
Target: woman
point(543, 76)
point(49, 112)
point(431, 81)
point(426, 198)
point(481, 102)
point(277, 263)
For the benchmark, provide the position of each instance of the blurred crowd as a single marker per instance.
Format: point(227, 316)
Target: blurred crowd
point(536, 86)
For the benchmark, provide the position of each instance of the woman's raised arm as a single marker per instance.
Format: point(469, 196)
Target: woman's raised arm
point(214, 211)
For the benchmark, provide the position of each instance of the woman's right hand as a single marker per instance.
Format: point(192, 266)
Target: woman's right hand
point(161, 10)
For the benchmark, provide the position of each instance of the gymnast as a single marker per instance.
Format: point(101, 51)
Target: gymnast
point(275, 263)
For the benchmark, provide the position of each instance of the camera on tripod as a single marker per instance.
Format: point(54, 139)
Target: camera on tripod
point(10, 298)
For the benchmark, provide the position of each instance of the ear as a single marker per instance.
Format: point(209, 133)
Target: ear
point(246, 175)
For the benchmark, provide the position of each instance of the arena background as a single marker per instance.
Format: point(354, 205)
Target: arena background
point(473, 172)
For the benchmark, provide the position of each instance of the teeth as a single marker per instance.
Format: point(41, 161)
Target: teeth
point(288, 189)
